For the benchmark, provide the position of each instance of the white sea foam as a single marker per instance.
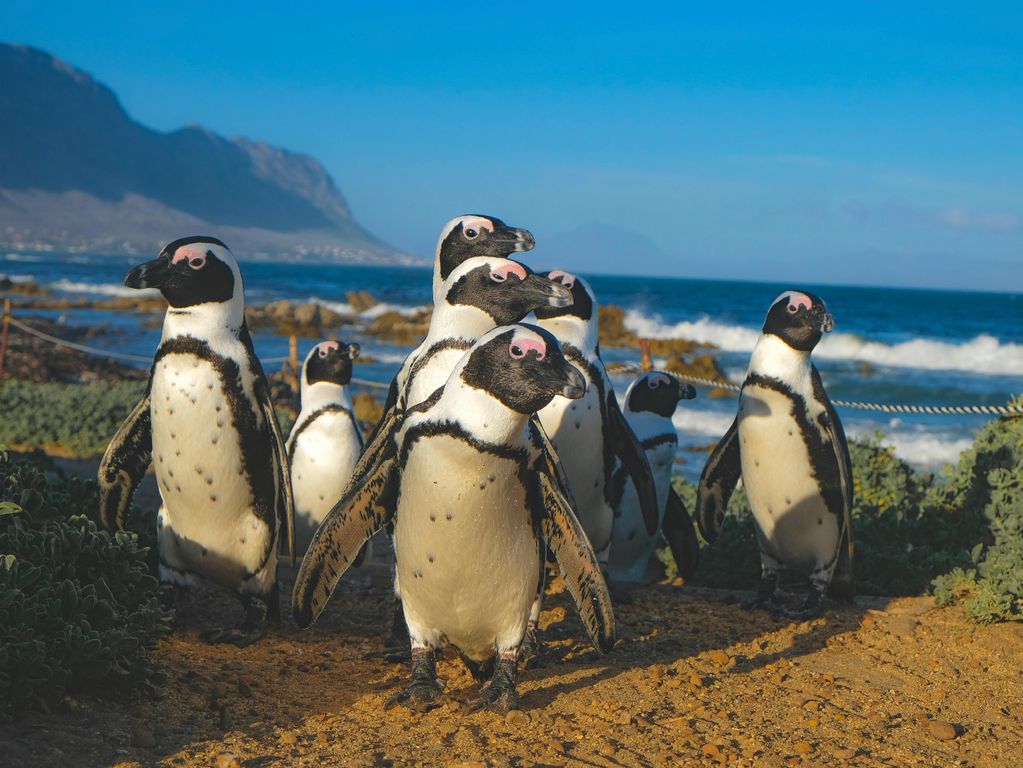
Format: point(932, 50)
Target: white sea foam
point(982, 354)
point(22, 257)
point(691, 423)
point(922, 448)
point(100, 289)
point(344, 308)
point(18, 279)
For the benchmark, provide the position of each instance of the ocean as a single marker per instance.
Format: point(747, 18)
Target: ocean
point(914, 347)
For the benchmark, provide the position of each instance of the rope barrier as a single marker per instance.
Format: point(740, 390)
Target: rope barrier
point(635, 368)
point(936, 410)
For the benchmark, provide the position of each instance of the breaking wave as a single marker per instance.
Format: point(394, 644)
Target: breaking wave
point(981, 354)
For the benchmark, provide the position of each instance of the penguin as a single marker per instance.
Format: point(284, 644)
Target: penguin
point(477, 296)
point(326, 440)
point(590, 434)
point(650, 402)
point(476, 497)
point(470, 236)
point(207, 424)
point(788, 447)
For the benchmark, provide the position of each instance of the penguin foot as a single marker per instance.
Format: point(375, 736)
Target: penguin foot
point(499, 694)
point(241, 636)
point(420, 696)
point(766, 598)
point(812, 607)
point(425, 692)
point(532, 652)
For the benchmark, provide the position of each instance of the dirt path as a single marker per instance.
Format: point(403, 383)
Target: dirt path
point(695, 679)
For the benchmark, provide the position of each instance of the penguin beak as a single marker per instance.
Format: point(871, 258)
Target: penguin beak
point(523, 240)
point(575, 386)
point(541, 291)
point(353, 350)
point(686, 391)
point(152, 274)
point(827, 323)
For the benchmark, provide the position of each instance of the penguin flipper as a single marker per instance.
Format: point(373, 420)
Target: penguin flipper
point(630, 452)
point(841, 586)
point(124, 464)
point(285, 496)
point(366, 506)
point(717, 483)
point(561, 530)
point(680, 534)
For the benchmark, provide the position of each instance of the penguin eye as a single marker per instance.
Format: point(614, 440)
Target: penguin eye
point(322, 352)
point(793, 309)
point(471, 234)
point(498, 277)
point(516, 351)
point(197, 262)
point(653, 383)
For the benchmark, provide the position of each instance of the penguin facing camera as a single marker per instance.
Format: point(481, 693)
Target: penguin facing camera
point(788, 447)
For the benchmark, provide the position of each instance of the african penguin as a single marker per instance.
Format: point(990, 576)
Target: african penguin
point(476, 498)
point(208, 425)
point(590, 434)
point(466, 237)
point(650, 403)
point(326, 440)
point(788, 446)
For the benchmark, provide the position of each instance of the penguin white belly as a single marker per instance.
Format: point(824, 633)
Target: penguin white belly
point(432, 375)
point(467, 557)
point(631, 545)
point(325, 454)
point(206, 525)
point(795, 524)
point(575, 428)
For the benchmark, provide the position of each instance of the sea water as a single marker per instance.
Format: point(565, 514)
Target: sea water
point(914, 347)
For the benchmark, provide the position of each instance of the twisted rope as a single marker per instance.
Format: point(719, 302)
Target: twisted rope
point(937, 410)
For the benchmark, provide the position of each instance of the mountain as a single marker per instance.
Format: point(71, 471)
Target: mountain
point(77, 172)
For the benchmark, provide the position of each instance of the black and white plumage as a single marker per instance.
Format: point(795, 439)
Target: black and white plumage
point(591, 434)
point(476, 498)
point(326, 440)
point(788, 446)
point(650, 402)
point(471, 236)
point(208, 426)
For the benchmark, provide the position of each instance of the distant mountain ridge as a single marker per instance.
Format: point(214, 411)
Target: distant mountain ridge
point(77, 172)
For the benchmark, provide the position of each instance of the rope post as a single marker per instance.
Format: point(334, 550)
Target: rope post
point(3, 335)
point(645, 361)
point(293, 361)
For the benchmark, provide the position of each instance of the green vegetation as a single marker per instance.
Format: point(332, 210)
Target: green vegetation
point(78, 608)
point(69, 419)
point(961, 530)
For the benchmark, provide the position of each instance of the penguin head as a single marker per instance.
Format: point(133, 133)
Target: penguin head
point(658, 393)
point(521, 366)
point(506, 290)
point(584, 301)
point(467, 236)
point(329, 362)
point(191, 271)
point(799, 319)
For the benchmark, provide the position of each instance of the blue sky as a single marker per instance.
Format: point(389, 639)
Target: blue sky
point(820, 144)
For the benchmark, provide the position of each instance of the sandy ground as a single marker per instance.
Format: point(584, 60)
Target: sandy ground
point(695, 679)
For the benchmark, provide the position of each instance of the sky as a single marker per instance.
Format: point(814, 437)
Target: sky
point(866, 143)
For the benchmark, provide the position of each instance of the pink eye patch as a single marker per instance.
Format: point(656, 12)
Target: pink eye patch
point(195, 259)
point(659, 380)
point(501, 273)
point(567, 279)
point(326, 346)
point(477, 224)
point(519, 348)
point(797, 300)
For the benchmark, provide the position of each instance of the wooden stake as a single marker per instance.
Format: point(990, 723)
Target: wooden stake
point(3, 335)
point(293, 361)
point(645, 361)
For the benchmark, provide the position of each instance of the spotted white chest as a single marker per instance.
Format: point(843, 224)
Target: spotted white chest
point(467, 556)
point(206, 525)
point(324, 455)
point(794, 523)
point(576, 429)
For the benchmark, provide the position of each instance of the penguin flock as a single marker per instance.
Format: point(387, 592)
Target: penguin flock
point(503, 451)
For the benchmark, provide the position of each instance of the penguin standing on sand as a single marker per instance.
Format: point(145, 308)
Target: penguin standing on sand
point(590, 434)
point(207, 424)
point(475, 498)
point(788, 446)
point(326, 440)
point(466, 237)
point(650, 402)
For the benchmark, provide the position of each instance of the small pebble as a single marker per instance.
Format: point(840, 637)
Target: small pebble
point(226, 721)
point(710, 749)
point(696, 681)
point(288, 738)
point(719, 657)
point(231, 666)
point(803, 747)
point(942, 730)
point(845, 753)
point(517, 718)
point(142, 737)
point(244, 690)
point(228, 760)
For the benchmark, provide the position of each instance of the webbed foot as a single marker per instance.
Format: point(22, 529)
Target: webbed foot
point(767, 597)
point(425, 691)
point(812, 607)
point(260, 611)
point(241, 636)
point(499, 694)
